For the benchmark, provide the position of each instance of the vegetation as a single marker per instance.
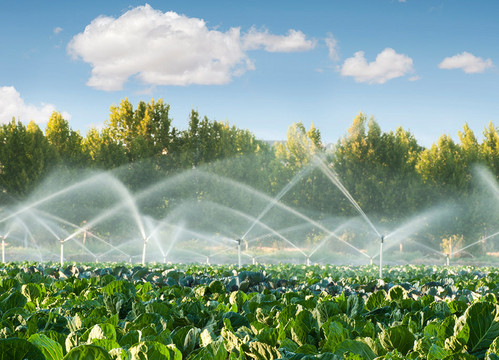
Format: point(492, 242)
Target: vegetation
point(274, 312)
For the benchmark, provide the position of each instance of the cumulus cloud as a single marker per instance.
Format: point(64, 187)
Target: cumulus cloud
point(332, 46)
point(57, 30)
point(388, 65)
point(294, 41)
point(12, 105)
point(170, 49)
point(467, 62)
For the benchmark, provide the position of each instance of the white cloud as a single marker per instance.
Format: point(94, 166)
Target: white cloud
point(332, 46)
point(12, 105)
point(388, 65)
point(170, 49)
point(415, 78)
point(57, 30)
point(294, 41)
point(469, 63)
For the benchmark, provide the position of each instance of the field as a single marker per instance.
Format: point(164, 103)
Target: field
point(256, 312)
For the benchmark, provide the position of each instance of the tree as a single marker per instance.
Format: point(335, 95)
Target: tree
point(300, 146)
point(443, 165)
point(145, 132)
point(378, 168)
point(67, 143)
point(25, 157)
point(490, 148)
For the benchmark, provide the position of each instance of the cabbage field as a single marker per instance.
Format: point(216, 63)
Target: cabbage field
point(256, 312)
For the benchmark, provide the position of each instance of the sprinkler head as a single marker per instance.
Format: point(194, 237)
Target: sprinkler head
point(238, 241)
point(382, 239)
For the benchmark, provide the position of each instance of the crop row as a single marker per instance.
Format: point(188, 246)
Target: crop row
point(272, 312)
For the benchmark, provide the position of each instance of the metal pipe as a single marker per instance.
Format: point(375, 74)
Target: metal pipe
point(3, 249)
point(62, 253)
point(381, 256)
point(239, 252)
point(144, 252)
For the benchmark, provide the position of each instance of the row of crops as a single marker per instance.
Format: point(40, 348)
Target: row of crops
point(272, 312)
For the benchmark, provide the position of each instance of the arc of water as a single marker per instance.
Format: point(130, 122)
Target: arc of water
point(156, 187)
point(476, 242)
point(320, 226)
point(283, 192)
point(424, 246)
point(335, 180)
point(91, 234)
point(51, 196)
point(266, 227)
point(282, 231)
point(128, 200)
point(29, 234)
point(411, 227)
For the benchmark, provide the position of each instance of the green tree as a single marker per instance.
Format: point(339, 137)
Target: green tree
point(489, 149)
point(144, 132)
point(443, 165)
point(67, 143)
point(25, 157)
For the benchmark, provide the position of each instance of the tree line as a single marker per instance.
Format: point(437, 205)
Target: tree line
point(389, 174)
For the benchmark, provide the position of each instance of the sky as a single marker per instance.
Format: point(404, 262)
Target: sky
point(429, 66)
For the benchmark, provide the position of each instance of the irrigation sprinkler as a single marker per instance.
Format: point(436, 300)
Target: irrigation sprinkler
point(447, 259)
point(62, 252)
point(371, 260)
point(144, 252)
point(207, 260)
point(308, 261)
point(253, 260)
point(381, 256)
point(239, 252)
point(3, 249)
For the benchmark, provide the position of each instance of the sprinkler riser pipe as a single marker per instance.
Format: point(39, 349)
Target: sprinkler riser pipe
point(62, 253)
point(381, 257)
point(144, 252)
point(239, 254)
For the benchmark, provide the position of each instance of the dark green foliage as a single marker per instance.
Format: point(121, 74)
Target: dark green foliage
point(200, 321)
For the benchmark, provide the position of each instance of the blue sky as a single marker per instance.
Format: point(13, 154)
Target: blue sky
point(426, 65)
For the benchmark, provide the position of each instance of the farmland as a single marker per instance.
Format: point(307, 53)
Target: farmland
point(257, 312)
